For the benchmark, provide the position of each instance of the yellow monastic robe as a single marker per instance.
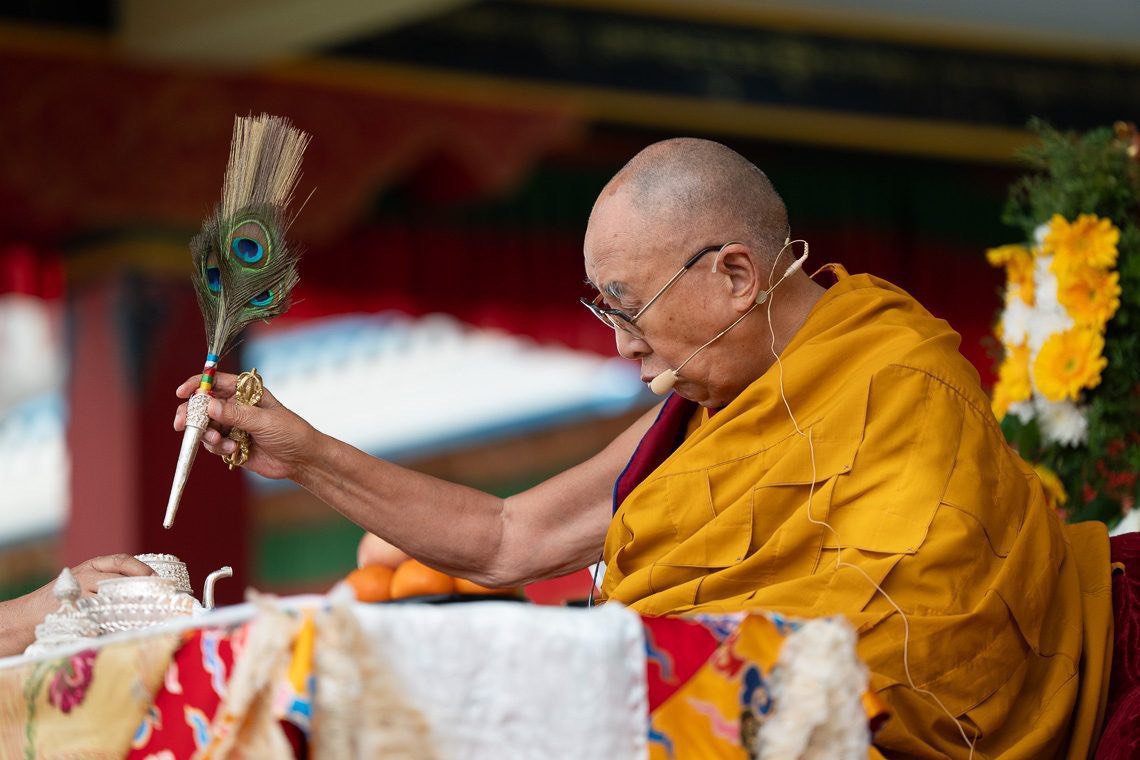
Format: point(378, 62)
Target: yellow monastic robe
point(1009, 611)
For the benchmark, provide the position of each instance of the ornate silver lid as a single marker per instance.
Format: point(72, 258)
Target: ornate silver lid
point(67, 624)
point(169, 566)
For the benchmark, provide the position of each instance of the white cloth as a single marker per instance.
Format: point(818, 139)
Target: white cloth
point(502, 679)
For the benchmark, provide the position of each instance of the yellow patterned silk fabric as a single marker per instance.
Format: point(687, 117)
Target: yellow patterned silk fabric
point(83, 705)
point(1009, 610)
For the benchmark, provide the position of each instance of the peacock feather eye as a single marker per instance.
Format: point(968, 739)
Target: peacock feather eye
point(262, 299)
point(250, 243)
point(213, 271)
point(248, 250)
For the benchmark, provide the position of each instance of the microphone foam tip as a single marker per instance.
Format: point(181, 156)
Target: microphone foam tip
point(664, 382)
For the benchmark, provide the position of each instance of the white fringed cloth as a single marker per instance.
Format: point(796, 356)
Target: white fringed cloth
point(501, 679)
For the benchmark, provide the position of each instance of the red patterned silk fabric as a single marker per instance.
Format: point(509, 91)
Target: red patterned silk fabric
point(1121, 736)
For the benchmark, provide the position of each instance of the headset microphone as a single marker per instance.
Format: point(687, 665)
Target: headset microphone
point(664, 382)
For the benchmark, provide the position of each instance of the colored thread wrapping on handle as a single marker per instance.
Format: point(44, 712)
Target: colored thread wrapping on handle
point(206, 383)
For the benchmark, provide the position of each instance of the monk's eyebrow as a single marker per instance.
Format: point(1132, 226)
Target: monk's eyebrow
point(615, 290)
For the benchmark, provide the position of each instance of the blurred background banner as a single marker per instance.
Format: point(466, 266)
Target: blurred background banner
point(457, 149)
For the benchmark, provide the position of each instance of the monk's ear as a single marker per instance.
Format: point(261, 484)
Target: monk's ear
point(737, 266)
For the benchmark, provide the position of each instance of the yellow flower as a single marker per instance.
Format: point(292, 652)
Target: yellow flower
point(1068, 362)
point(1013, 380)
point(1052, 483)
point(1089, 241)
point(1091, 296)
point(1018, 263)
point(1001, 255)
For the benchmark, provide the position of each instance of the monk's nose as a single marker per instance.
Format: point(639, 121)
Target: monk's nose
point(629, 346)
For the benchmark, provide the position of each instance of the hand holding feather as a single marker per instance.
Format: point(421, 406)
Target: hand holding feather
point(284, 441)
point(244, 266)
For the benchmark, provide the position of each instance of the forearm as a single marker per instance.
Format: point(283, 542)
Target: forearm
point(14, 634)
point(453, 528)
point(18, 620)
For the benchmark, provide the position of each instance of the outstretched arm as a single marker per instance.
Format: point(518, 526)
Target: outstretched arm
point(556, 527)
point(19, 617)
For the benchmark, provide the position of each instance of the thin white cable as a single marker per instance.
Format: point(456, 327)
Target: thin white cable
point(838, 543)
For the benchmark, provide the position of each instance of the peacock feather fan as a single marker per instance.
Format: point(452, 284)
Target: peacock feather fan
point(244, 266)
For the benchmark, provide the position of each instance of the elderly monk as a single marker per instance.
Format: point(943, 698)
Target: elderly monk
point(862, 474)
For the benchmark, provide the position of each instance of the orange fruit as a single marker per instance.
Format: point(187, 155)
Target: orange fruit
point(414, 578)
point(374, 550)
point(464, 586)
point(371, 583)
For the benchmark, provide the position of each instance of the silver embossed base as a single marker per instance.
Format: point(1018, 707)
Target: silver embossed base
point(169, 566)
point(196, 415)
point(127, 604)
point(66, 625)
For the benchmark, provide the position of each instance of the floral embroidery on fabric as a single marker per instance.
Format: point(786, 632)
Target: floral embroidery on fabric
point(721, 727)
point(171, 681)
point(199, 726)
point(212, 662)
point(726, 660)
point(783, 625)
point(755, 705)
point(69, 685)
point(656, 654)
point(657, 737)
point(720, 625)
point(151, 722)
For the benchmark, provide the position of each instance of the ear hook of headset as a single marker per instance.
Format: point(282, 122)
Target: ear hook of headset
point(787, 241)
point(795, 266)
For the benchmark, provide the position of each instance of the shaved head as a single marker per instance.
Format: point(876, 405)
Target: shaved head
point(704, 189)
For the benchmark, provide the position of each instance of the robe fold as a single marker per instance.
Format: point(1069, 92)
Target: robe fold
point(898, 475)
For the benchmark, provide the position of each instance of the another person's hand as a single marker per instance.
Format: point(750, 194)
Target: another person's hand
point(19, 617)
point(280, 437)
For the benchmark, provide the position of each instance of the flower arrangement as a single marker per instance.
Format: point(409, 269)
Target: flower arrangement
point(1068, 388)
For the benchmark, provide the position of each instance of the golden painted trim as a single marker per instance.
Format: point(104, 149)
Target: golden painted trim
point(870, 26)
point(926, 137)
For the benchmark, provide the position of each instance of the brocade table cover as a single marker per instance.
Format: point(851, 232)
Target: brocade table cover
point(304, 677)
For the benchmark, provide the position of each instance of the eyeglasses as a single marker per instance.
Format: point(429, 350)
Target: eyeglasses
point(619, 320)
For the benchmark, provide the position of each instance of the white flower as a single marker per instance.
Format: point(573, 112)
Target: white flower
point(1023, 410)
point(1061, 422)
point(1015, 321)
point(1044, 283)
point(1039, 234)
point(1044, 323)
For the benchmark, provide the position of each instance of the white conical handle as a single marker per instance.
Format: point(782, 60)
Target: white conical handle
point(196, 422)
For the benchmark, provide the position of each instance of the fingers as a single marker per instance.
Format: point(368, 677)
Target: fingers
point(215, 443)
point(224, 385)
point(96, 569)
point(225, 414)
point(188, 387)
point(229, 414)
point(119, 564)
